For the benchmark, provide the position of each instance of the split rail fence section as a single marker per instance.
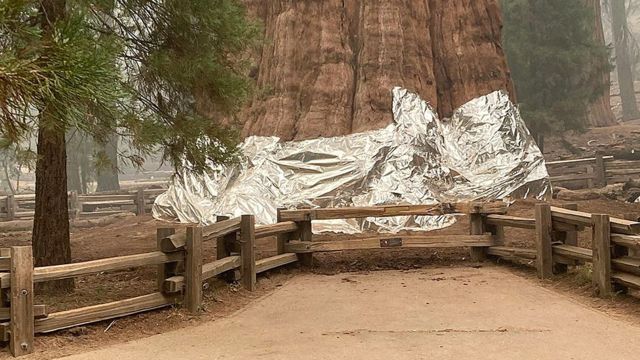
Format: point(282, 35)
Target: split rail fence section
point(615, 250)
point(180, 276)
point(21, 206)
point(593, 172)
point(181, 270)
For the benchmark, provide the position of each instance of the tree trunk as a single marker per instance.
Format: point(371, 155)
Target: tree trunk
point(107, 177)
point(328, 67)
point(468, 55)
point(5, 166)
point(51, 245)
point(623, 61)
point(74, 182)
point(600, 112)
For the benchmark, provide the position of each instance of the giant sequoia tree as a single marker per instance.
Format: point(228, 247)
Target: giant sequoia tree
point(328, 66)
point(129, 67)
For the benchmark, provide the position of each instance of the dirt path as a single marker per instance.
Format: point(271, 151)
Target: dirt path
point(450, 313)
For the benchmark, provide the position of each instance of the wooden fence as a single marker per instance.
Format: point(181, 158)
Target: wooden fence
point(593, 172)
point(21, 206)
point(181, 270)
point(614, 252)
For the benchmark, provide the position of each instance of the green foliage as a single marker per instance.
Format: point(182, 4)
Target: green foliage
point(157, 72)
point(556, 63)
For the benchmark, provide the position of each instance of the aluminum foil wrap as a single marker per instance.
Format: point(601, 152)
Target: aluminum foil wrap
point(484, 152)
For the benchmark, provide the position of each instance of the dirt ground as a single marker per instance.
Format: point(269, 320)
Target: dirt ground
point(429, 313)
point(609, 140)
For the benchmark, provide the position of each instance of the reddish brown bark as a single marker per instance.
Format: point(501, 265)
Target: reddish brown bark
point(328, 66)
point(468, 53)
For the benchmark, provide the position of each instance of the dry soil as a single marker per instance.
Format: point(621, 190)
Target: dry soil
point(454, 313)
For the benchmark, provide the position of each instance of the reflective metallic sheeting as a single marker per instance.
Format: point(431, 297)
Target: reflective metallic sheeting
point(483, 152)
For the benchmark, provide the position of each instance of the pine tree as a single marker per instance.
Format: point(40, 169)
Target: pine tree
point(556, 62)
point(141, 69)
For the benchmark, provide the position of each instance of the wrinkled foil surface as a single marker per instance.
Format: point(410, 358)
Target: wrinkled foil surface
point(484, 152)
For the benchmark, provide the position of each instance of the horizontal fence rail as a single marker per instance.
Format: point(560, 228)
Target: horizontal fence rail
point(497, 207)
point(346, 242)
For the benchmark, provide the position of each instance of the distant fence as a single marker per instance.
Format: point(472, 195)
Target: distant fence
point(593, 172)
point(181, 270)
point(21, 206)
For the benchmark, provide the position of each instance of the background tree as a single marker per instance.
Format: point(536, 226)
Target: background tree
point(600, 112)
point(624, 63)
point(556, 63)
point(80, 162)
point(64, 66)
point(107, 166)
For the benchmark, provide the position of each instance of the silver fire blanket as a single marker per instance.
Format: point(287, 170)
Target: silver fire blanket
point(484, 152)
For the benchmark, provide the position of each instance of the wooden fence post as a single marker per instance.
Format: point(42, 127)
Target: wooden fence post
point(477, 227)
point(11, 207)
point(140, 202)
point(164, 270)
point(590, 172)
point(305, 233)
point(247, 251)
point(544, 251)
point(601, 171)
point(601, 238)
point(193, 269)
point(22, 319)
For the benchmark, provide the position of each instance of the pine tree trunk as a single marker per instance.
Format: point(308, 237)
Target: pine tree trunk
point(600, 112)
point(107, 177)
point(623, 61)
point(51, 243)
point(50, 239)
